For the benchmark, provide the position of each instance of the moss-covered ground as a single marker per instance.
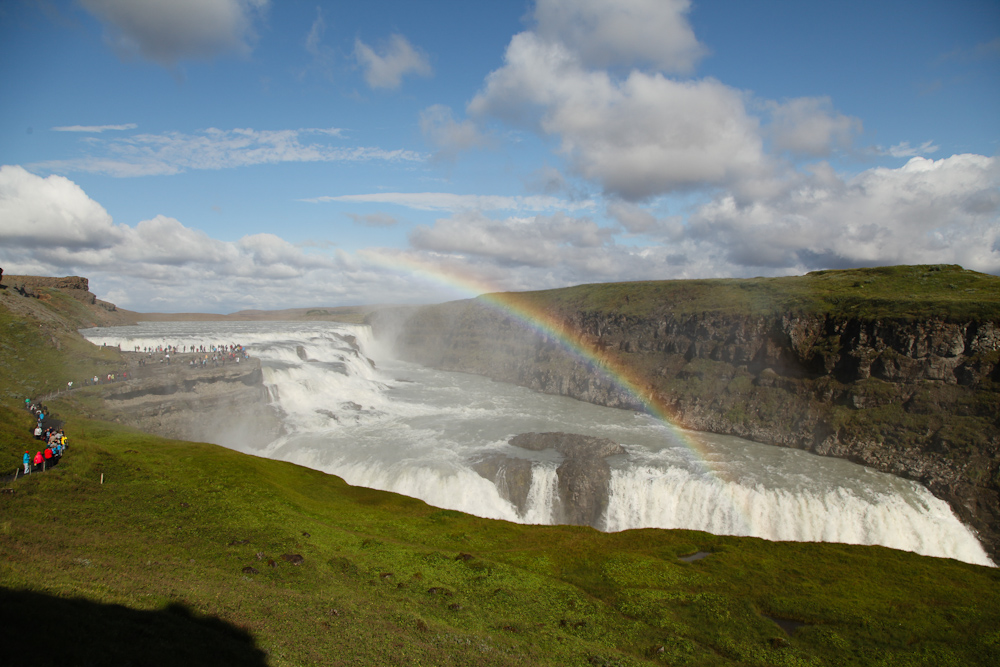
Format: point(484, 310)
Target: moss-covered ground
point(135, 549)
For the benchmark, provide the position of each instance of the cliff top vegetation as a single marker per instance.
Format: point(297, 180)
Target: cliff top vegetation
point(946, 292)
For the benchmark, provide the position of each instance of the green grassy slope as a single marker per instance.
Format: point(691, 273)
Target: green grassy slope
point(384, 581)
point(898, 292)
point(149, 567)
point(40, 358)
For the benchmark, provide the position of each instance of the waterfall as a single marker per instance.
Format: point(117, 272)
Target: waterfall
point(393, 426)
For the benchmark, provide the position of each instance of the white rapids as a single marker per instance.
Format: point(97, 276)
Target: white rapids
point(413, 430)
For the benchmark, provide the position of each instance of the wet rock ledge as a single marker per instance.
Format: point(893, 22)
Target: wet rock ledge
point(225, 405)
point(584, 474)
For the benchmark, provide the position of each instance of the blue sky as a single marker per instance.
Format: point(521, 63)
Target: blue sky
point(216, 155)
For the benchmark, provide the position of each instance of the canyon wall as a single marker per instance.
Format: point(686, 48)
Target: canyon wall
point(225, 405)
point(915, 397)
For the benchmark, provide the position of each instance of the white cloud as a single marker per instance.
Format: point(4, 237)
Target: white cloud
point(904, 149)
point(944, 211)
point(94, 128)
point(49, 226)
point(638, 137)
point(175, 152)
point(450, 136)
point(40, 212)
point(927, 211)
point(924, 212)
point(623, 32)
point(166, 32)
point(537, 241)
point(810, 126)
point(447, 201)
point(386, 69)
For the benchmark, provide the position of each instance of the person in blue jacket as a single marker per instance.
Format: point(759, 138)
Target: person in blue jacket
point(27, 463)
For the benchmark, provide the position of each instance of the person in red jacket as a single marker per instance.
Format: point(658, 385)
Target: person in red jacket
point(38, 459)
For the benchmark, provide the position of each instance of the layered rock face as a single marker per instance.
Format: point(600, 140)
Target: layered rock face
point(583, 473)
point(919, 398)
point(225, 405)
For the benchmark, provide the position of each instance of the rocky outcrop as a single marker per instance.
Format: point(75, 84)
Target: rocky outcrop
point(918, 397)
point(29, 283)
point(65, 301)
point(225, 405)
point(584, 475)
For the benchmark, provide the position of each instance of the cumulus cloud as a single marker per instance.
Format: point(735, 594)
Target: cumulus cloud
point(175, 152)
point(944, 211)
point(810, 126)
point(637, 137)
point(397, 59)
point(167, 32)
point(927, 211)
point(49, 226)
point(450, 136)
point(40, 212)
point(622, 33)
point(924, 212)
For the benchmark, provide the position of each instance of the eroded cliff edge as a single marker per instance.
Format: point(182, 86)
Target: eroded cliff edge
point(895, 368)
point(226, 405)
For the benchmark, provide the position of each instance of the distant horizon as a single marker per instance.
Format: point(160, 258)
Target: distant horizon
point(376, 306)
point(232, 155)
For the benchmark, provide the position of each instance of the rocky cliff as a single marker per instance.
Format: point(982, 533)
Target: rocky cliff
point(66, 301)
point(896, 368)
point(225, 405)
point(583, 474)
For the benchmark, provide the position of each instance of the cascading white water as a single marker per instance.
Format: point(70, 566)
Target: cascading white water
point(541, 494)
point(414, 431)
point(675, 498)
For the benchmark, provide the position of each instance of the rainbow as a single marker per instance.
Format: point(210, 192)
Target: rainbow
point(513, 304)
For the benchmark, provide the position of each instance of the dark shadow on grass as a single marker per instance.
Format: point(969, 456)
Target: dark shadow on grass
point(47, 630)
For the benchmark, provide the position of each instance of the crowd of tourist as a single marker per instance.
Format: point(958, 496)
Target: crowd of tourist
point(50, 434)
point(51, 437)
point(202, 355)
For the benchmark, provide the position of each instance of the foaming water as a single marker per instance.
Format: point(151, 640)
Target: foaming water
point(389, 425)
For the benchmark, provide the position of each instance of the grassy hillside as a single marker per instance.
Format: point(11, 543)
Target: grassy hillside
point(897, 292)
point(177, 558)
